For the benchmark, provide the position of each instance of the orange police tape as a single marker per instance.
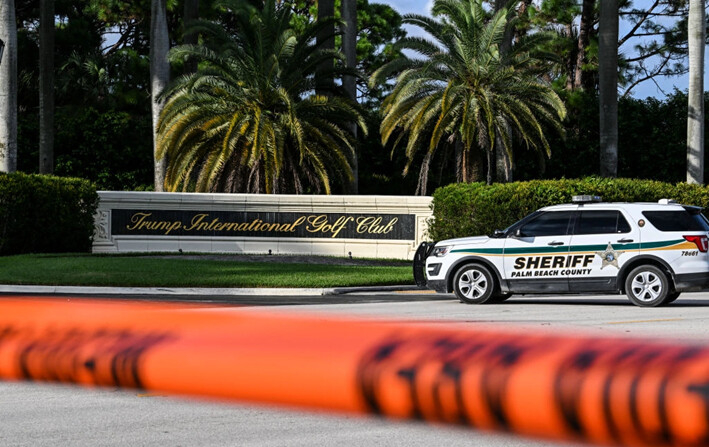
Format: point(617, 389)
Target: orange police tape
point(598, 390)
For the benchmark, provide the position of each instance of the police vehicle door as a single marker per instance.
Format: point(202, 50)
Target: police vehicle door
point(537, 251)
point(602, 241)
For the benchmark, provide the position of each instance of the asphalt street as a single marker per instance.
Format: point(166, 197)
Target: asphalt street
point(43, 415)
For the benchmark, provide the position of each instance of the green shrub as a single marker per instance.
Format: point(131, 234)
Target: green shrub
point(468, 209)
point(46, 214)
point(112, 149)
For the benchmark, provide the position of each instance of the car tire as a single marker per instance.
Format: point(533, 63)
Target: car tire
point(495, 298)
point(647, 286)
point(499, 297)
point(672, 296)
point(474, 284)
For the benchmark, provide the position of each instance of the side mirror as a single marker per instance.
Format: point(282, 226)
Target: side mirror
point(498, 233)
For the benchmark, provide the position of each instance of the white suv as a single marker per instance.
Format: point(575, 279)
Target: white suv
point(649, 251)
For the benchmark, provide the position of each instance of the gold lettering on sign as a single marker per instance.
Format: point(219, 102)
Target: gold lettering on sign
point(295, 224)
point(140, 221)
point(197, 222)
point(373, 225)
point(319, 223)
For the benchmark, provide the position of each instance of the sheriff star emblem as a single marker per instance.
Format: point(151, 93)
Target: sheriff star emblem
point(609, 256)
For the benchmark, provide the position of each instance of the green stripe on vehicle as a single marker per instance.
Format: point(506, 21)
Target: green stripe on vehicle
point(480, 251)
point(566, 249)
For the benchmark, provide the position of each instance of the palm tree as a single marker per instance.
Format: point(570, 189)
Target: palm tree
point(608, 86)
point(191, 13)
point(159, 77)
point(8, 88)
point(326, 40)
point(349, 83)
point(464, 92)
point(249, 119)
point(695, 114)
point(581, 77)
point(46, 87)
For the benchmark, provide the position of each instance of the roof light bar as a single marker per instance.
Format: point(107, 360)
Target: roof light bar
point(586, 199)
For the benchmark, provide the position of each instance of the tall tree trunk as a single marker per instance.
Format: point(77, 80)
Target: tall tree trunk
point(490, 156)
point(608, 86)
point(581, 78)
point(460, 168)
point(8, 88)
point(471, 163)
point(325, 40)
point(503, 163)
point(571, 74)
point(349, 83)
point(191, 13)
point(159, 77)
point(506, 42)
point(423, 175)
point(477, 164)
point(695, 113)
point(46, 87)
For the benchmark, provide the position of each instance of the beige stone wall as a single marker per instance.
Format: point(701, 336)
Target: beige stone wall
point(106, 241)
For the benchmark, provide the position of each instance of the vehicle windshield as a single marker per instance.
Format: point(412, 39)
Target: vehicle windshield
point(509, 230)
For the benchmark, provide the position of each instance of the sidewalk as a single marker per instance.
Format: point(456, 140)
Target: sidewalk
point(168, 291)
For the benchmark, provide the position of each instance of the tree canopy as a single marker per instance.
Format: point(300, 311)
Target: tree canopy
point(461, 89)
point(249, 119)
point(102, 91)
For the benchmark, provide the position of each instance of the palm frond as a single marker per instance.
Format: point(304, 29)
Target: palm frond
point(462, 87)
point(248, 119)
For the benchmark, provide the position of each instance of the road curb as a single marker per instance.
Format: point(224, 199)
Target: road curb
point(197, 291)
point(371, 289)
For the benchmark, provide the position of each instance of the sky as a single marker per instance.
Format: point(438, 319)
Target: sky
point(642, 91)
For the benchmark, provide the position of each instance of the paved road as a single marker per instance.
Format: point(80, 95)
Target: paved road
point(37, 415)
point(687, 318)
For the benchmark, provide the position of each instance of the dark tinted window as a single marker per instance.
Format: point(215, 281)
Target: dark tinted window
point(509, 230)
point(680, 220)
point(599, 222)
point(553, 223)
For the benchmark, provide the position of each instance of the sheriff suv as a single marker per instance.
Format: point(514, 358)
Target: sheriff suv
point(650, 251)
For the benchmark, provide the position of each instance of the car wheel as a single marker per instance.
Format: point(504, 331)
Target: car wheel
point(474, 284)
point(647, 286)
point(499, 297)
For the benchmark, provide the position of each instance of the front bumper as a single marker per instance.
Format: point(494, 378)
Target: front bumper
point(419, 264)
point(422, 270)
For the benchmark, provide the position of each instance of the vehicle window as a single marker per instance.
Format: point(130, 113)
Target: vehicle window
point(509, 230)
point(600, 222)
point(553, 223)
point(680, 220)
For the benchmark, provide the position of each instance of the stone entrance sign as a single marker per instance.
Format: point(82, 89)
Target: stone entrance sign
point(360, 226)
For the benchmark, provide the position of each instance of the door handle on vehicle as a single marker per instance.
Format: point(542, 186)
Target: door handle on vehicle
point(555, 243)
point(625, 240)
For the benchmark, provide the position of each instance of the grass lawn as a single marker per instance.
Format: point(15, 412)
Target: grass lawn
point(144, 271)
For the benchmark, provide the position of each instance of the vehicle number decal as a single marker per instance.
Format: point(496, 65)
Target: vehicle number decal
point(690, 252)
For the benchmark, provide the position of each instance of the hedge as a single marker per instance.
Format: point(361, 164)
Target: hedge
point(46, 214)
point(467, 209)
